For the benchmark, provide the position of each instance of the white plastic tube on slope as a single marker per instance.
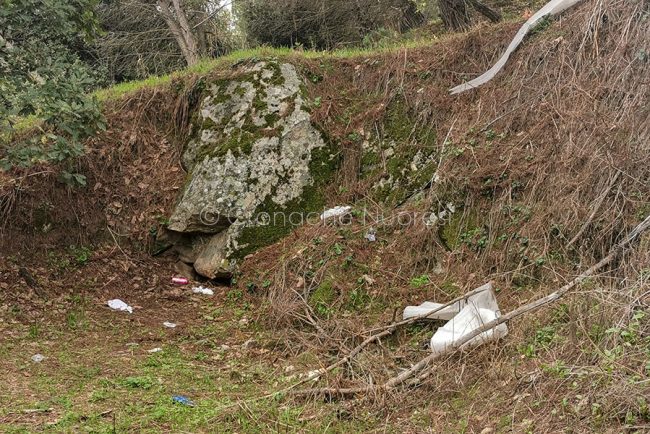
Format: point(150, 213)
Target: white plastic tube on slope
point(553, 7)
point(484, 299)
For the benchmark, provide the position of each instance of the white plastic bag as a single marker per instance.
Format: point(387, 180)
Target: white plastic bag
point(202, 290)
point(119, 305)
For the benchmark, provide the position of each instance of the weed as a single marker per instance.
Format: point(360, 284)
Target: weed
point(138, 382)
point(420, 281)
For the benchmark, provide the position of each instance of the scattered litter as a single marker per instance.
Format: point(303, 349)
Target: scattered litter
point(202, 290)
point(314, 375)
point(337, 211)
point(183, 400)
point(119, 305)
point(371, 235)
point(463, 317)
point(154, 350)
point(169, 325)
point(38, 358)
point(180, 281)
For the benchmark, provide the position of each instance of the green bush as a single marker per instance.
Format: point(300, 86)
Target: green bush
point(43, 79)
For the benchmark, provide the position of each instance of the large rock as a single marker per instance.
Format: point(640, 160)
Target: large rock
point(254, 155)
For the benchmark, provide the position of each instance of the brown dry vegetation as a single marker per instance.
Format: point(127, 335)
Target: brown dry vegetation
point(548, 166)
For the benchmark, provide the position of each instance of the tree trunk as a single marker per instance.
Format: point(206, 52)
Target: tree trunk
point(486, 11)
point(180, 28)
point(455, 14)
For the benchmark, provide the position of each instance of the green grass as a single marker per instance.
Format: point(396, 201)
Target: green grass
point(99, 376)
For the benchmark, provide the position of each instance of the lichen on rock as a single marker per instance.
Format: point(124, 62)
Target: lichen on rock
point(252, 150)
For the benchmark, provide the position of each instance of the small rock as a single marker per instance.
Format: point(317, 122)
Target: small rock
point(183, 269)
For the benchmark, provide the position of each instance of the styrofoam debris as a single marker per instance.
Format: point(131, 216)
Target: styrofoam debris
point(169, 325)
point(38, 358)
point(337, 211)
point(154, 350)
point(119, 305)
point(468, 320)
point(202, 290)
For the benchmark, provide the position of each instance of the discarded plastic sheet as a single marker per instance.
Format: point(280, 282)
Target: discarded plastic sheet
point(154, 350)
point(371, 235)
point(484, 299)
point(183, 400)
point(553, 7)
point(202, 290)
point(119, 305)
point(169, 325)
point(337, 211)
point(468, 320)
point(38, 358)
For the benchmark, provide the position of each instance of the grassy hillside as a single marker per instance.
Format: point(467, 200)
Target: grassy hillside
point(532, 179)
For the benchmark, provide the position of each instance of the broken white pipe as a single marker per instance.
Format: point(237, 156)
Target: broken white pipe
point(553, 7)
point(482, 297)
point(468, 320)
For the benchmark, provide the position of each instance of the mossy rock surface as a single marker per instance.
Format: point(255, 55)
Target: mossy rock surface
point(402, 157)
point(253, 153)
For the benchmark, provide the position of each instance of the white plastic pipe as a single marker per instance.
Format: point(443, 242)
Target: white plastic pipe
point(553, 7)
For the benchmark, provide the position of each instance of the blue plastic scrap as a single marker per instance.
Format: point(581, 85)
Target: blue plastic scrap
point(183, 400)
